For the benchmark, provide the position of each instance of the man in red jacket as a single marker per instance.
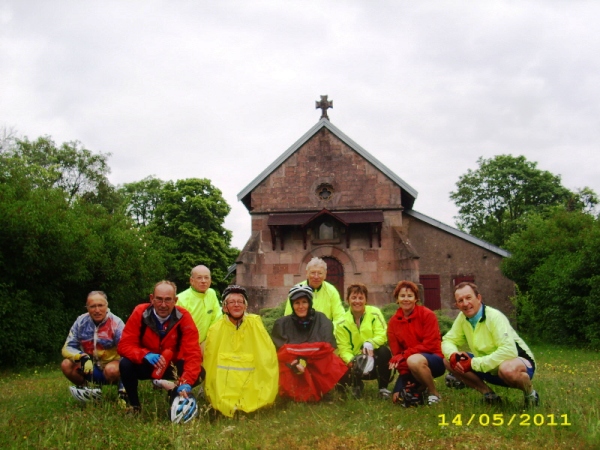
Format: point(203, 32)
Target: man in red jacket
point(156, 335)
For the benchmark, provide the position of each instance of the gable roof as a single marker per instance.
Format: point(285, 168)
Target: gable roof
point(456, 232)
point(408, 193)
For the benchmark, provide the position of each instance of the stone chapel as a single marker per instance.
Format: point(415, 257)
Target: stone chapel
point(327, 196)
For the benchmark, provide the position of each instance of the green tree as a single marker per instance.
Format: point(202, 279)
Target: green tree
point(70, 167)
point(189, 219)
point(54, 249)
point(555, 262)
point(494, 198)
point(142, 198)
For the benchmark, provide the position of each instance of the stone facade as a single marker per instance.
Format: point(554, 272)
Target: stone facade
point(328, 197)
point(325, 159)
point(452, 257)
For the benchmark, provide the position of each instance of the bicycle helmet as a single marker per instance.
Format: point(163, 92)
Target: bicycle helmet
point(184, 409)
point(299, 291)
point(85, 394)
point(234, 289)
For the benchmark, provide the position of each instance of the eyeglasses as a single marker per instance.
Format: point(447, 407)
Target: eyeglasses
point(235, 302)
point(168, 301)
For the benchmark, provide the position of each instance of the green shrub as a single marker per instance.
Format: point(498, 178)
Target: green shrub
point(388, 310)
point(555, 262)
point(444, 320)
point(270, 315)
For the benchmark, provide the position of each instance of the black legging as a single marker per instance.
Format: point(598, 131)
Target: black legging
point(381, 371)
point(131, 373)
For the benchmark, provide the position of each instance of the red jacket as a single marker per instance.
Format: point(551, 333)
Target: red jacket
point(141, 337)
point(323, 370)
point(419, 333)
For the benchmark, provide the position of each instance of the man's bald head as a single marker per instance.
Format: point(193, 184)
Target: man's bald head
point(200, 278)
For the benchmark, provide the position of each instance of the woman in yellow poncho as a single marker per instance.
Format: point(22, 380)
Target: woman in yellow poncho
point(242, 373)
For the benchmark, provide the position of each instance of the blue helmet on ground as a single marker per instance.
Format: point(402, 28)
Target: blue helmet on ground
point(184, 409)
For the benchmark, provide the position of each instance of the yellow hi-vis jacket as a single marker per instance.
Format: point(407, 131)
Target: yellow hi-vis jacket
point(242, 372)
point(204, 308)
point(351, 338)
point(493, 340)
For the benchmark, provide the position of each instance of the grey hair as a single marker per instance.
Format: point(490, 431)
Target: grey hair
point(102, 293)
point(316, 262)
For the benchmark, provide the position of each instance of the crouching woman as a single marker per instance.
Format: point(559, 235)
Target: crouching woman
point(308, 367)
point(415, 340)
point(362, 333)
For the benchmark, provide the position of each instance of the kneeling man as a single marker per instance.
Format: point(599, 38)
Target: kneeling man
point(90, 350)
point(160, 342)
point(499, 356)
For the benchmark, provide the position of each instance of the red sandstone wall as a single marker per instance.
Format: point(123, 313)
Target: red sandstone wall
point(325, 159)
point(272, 272)
point(448, 256)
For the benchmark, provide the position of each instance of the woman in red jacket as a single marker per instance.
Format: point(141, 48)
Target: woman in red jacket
point(415, 340)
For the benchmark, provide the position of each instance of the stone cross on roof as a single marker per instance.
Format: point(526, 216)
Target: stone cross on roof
point(324, 105)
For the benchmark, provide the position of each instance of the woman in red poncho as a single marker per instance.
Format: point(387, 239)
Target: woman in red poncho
point(415, 340)
point(308, 367)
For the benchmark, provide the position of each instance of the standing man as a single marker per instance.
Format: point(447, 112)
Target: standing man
point(326, 297)
point(90, 350)
point(499, 356)
point(156, 335)
point(201, 301)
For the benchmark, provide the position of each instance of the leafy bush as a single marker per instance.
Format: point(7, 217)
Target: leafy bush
point(556, 265)
point(55, 248)
point(388, 310)
point(270, 315)
point(444, 320)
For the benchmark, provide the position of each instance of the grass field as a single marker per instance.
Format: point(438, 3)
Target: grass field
point(37, 411)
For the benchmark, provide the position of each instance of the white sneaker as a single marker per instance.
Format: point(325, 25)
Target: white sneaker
point(385, 393)
point(433, 399)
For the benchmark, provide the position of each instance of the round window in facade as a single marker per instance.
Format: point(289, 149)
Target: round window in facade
point(325, 191)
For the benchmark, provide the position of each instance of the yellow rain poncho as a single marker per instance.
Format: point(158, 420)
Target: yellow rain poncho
point(242, 372)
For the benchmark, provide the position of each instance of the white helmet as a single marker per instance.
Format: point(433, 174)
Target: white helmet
point(360, 365)
point(85, 394)
point(184, 409)
point(299, 291)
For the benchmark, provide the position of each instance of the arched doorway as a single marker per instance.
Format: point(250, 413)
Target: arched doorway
point(335, 273)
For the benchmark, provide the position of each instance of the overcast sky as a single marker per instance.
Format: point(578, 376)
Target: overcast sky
point(219, 89)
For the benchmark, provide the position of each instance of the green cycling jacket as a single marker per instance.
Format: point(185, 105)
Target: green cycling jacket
point(492, 342)
point(350, 337)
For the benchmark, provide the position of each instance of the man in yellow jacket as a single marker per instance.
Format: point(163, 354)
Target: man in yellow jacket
point(201, 301)
point(242, 372)
point(499, 356)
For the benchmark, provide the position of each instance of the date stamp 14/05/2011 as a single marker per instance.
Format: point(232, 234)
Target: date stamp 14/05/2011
point(500, 420)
